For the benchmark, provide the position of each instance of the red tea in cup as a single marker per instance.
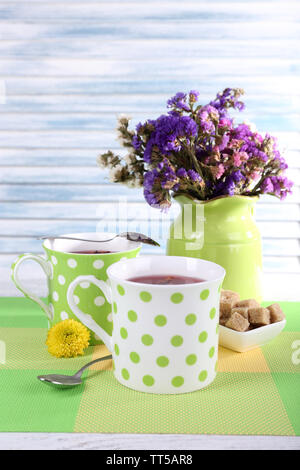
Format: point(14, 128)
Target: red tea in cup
point(165, 279)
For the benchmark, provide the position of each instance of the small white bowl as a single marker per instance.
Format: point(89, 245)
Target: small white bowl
point(245, 341)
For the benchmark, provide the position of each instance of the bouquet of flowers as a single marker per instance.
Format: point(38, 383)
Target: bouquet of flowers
point(197, 150)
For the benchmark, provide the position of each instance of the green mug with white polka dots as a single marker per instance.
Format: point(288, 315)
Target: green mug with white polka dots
point(165, 337)
point(65, 262)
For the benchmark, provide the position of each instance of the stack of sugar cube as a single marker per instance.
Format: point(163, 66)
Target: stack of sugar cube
point(245, 315)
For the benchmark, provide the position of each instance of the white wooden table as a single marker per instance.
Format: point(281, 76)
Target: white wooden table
point(53, 441)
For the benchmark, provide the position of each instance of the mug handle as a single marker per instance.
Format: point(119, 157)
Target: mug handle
point(86, 319)
point(15, 277)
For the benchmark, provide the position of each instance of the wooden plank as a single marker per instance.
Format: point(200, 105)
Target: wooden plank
point(100, 31)
point(141, 11)
point(155, 65)
point(205, 78)
point(132, 104)
point(131, 49)
point(89, 210)
point(67, 192)
point(279, 212)
point(107, 121)
point(133, 1)
point(40, 175)
point(54, 157)
point(57, 138)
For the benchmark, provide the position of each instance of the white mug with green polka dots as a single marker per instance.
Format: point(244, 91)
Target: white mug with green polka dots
point(62, 266)
point(165, 337)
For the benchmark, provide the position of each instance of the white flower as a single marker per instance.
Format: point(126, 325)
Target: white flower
point(124, 117)
point(101, 161)
point(134, 183)
point(113, 174)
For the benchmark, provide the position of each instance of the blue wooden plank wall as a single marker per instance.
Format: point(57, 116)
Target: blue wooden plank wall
point(68, 68)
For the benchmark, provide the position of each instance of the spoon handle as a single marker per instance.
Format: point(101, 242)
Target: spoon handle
point(79, 373)
point(74, 238)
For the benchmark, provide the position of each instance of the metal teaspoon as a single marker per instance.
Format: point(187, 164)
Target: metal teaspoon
point(70, 380)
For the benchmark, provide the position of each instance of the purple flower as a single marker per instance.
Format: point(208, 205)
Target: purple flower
point(278, 185)
point(228, 185)
point(226, 99)
point(178, 101)
point(182, 173)
point(194, 176)
point(193, 96)
point(136, 142)
point(168, 129)
point(225, 141)
point(207, 115)
point(267, 186)
point(157, 184)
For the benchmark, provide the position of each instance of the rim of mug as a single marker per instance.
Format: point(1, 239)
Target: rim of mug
point(163, 286)
point(110, 234)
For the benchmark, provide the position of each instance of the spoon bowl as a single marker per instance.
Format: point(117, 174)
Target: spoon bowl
point(63, 381)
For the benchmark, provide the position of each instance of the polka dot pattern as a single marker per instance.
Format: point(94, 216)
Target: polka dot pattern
point(176, 341)
point(203, 337)
point(125, 374)
point(211, 352)
point(123, 333)
point(212, 313)
point(134, 357)
point(160, 320)
point(204, 294)
point(98, 264)
point(147, 340)
point(120, 289)
point(145, 296)
point(61, 280)
point(132, 316)
point(85, 285)
point(202, 376)
point(190, 319)
point(64, 316)
point(162, 361)
point(148, 380)
point(72, 263)
point(177, 381)
point(110, 317)
point(177, 298)
point(191, 359)
point(99, 301)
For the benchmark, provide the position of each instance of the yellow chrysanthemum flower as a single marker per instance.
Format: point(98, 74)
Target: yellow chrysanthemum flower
point(69, 338)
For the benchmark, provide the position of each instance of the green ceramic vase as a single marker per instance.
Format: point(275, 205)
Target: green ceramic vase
point(221, 230)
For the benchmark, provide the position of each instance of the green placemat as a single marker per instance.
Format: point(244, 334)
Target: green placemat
point(254, 393)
